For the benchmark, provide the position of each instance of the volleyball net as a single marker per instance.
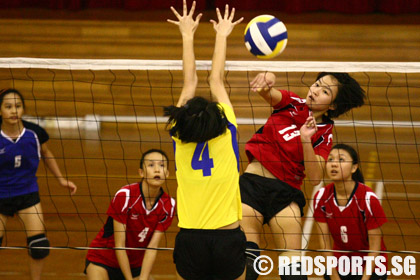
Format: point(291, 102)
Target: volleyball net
point(101, 115)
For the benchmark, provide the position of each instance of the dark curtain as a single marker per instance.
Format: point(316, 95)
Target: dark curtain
point(339, 6)
point(288, 6)
point(95, 4)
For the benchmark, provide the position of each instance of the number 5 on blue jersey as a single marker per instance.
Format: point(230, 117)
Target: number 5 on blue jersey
point(206, 163)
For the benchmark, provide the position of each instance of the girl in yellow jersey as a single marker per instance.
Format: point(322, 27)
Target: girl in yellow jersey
point(210, 244)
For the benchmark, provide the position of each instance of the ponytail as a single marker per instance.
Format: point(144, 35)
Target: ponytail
point(197, 121)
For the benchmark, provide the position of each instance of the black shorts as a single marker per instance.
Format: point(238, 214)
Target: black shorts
point(210, 254)
point(268, 196)
point(10, 206)
point(114, 273)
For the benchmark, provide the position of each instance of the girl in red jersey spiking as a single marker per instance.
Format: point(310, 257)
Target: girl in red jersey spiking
point(349, 212)
point(294, 143)
point(138, 216)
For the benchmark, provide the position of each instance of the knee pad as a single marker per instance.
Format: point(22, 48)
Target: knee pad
point(1, 240)
point(251, 254)
point(35, 242)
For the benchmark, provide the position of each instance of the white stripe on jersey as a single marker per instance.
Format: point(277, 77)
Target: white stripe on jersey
point(367, 197)
point(330, 138)
point(318, 197)
point(173, 206)
point(322, 136)
point(164, 209)
point(17, 139)
point(37, 143)
point(300, 100)
point(127, 197)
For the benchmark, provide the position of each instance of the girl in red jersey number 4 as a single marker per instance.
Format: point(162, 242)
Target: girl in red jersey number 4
point(349, 211)
point(294, 142)
point(138, 216)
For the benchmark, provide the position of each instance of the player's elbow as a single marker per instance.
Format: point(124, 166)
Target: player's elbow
point(216, 80)
point(191, 81)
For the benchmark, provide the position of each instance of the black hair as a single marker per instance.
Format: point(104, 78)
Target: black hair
point(358, 175)
point(5, 92)
point(350, 94)
point(199, 120)
point(153, 151)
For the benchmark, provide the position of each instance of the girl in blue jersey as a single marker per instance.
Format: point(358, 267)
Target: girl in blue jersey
point(22, 145)
point(210, 244)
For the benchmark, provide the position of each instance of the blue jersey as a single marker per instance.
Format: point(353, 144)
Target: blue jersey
point(19, 160)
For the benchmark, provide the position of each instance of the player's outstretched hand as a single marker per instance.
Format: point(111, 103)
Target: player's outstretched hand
point(263, 82)
point(187, 25)
point(68, 184)
point(224, 26)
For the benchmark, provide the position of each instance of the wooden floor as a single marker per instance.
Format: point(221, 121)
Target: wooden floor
point(102, 161)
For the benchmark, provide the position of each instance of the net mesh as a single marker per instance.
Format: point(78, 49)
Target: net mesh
point(102, 115)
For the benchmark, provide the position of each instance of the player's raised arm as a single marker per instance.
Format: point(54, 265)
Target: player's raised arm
point(223, 27)
point(263, 83)
point(314, 164)
point(187, 26)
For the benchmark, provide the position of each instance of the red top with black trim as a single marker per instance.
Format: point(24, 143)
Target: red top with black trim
point(349, 224)
point(277, 145)
point(128, 207)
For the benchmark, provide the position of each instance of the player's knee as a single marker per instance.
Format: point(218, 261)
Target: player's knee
point(252, 254)
point(36, 246)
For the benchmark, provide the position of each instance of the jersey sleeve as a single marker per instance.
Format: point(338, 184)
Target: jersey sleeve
point(230, 114)
point(285, 99)
point(375, 215)
point(166, 221)
point(118, 208)
point(318, 203)
point(40, 132)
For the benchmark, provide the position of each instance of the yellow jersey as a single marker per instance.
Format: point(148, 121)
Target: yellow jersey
point(208, 195)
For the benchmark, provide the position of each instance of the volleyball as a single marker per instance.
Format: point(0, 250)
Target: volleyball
point(265, 36)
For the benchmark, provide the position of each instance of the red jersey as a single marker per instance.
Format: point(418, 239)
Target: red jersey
point(349, 224)
point(128, 207)
point(277, 145)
